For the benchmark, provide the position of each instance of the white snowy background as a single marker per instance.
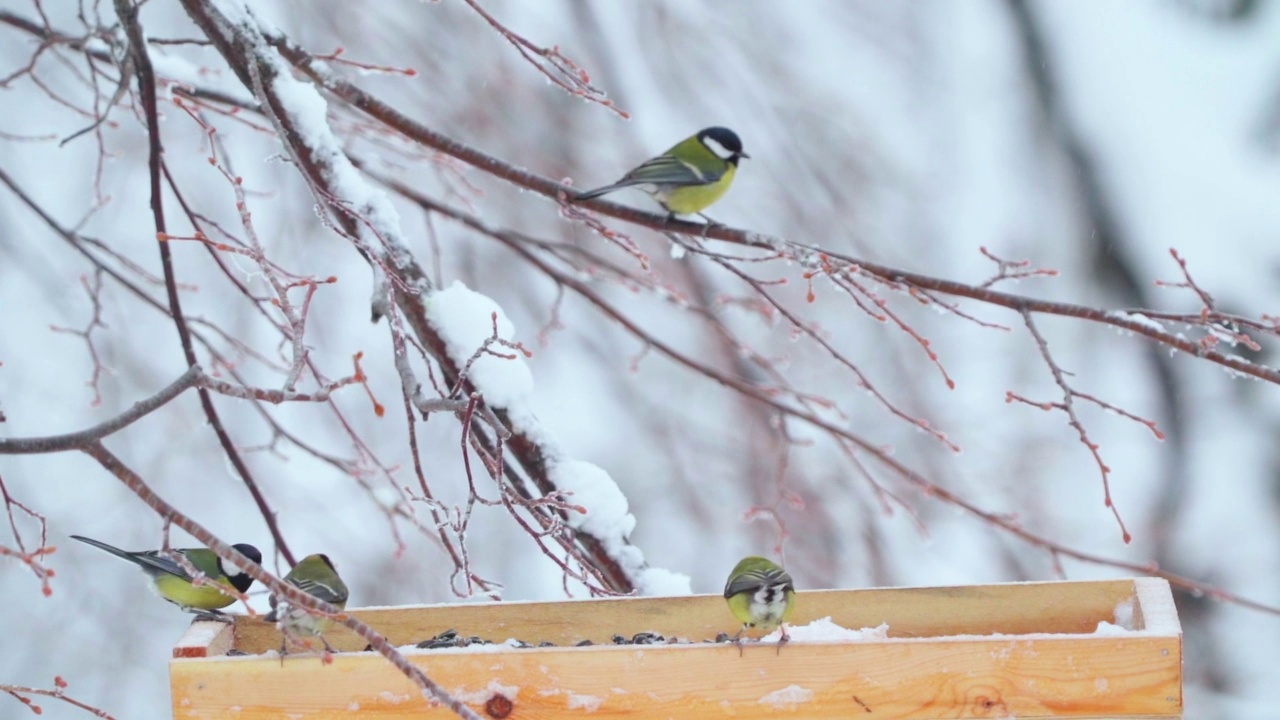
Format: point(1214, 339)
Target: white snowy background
point(906, 133)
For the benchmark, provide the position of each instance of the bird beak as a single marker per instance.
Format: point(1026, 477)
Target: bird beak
point(742, 154)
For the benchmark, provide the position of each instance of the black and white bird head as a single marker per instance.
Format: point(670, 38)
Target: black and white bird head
point(238, 578)
point(723, 142)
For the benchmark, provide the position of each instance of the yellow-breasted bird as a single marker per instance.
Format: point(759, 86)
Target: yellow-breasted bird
point(760, 594)
point(690, 176)
point(316, 576)
point(172, 582)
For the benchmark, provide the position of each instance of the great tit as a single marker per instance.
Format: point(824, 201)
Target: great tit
point(761, 595)
point(172, 582)
point(316, 576)
point(690, 176)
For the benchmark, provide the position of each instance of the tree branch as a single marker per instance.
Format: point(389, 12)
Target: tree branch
point(297, 597)
point(128, 14)
point(78, 440)
point(365, 221)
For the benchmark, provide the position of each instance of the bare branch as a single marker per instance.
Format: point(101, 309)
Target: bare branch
point(363, 218)
point(560, 70)
point(295, 596)
point(1067, 406)
point(78, 440)
point(21, 694)
point(1006, 523)
point(33, 558)
point(128, 14)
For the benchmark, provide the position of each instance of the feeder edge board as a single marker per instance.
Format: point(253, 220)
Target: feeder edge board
point(1130, 675)
point(1040, 677)
point(1011, 609)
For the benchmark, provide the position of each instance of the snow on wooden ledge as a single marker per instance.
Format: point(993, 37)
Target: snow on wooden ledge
point(1100, 649)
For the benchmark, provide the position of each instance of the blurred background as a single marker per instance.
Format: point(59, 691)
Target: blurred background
point(1087, 136)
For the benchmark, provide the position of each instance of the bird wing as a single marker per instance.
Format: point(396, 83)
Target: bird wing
point(664, 170)
point(154, 561)
point(752, 580)
point(333, 594)
point(669, 170)
point(321, 590)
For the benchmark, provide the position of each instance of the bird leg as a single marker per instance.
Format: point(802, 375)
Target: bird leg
point(737, 638)
point(287, 638)
point(784, 639)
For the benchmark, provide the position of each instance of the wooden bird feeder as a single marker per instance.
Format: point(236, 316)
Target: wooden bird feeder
point(1026, 650)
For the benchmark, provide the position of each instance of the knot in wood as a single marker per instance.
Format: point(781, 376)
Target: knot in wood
point(499, 706)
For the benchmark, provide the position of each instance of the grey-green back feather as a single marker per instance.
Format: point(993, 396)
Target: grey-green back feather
point(753, 580)
point(699, 166)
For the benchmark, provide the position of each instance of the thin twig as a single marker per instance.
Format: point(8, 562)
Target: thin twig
point(292, 593)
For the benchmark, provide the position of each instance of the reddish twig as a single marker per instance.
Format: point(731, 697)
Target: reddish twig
point(560, 70)
point(863, 381)
point(336, 56)
point(1188, 282)
point(366, 219)
point(127, 12)
point(33, 558)
point(1069, 394)
point(616, 237)
point(1012, 269)
point(21, 694)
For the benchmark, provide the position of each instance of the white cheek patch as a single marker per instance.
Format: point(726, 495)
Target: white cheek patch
point(230, 569)
point(714, 146)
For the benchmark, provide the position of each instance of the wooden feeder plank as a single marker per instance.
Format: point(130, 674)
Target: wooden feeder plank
point(1010, 609)
point(1032, 674)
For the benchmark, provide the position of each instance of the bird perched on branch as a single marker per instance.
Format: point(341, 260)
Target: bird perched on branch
point(690, 176)
point(760, 594)
point(316, 576)
point(174, 583)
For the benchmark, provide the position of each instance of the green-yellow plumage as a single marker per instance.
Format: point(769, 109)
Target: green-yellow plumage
point(172, 582)
point(316, 576)
point(760, 594)
point(181, 592)
point(696, 198)
point(689, 177)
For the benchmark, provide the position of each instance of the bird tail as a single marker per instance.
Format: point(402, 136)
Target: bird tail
point(588, 195)
point(123, 554)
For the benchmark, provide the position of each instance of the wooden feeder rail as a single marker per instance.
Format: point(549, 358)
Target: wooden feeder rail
point(1026, 650)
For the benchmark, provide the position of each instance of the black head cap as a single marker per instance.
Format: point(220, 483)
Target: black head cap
point(724, 138)
point(242, 580)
